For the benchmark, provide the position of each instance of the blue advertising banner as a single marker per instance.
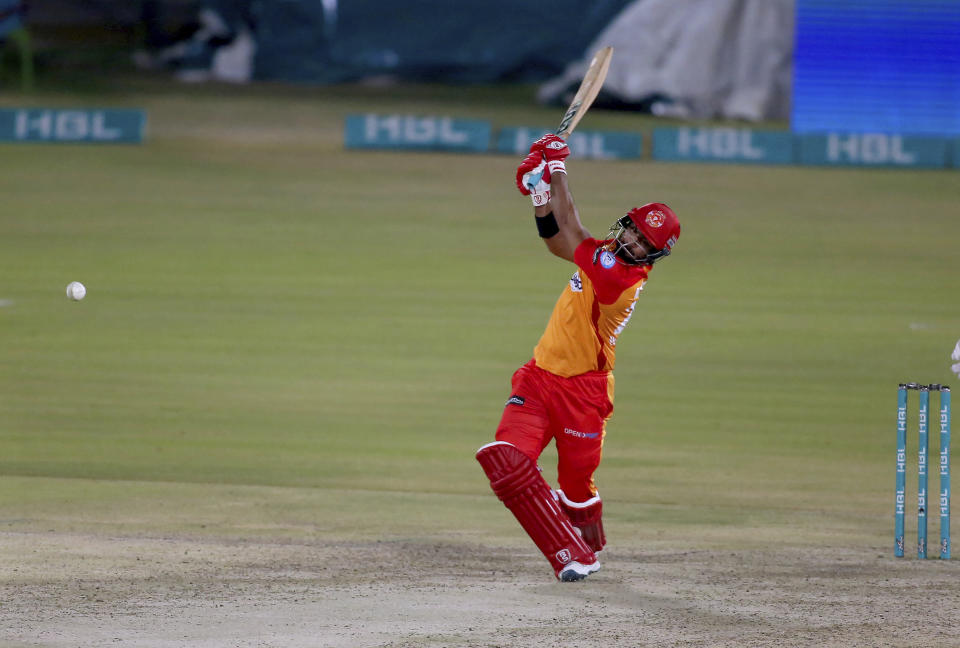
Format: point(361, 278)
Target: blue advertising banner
point(73, 126)
point(418, 133)
point(872, 149)
point(596, 145)
point(877, 66)
point(741, 145)
point(685, 144)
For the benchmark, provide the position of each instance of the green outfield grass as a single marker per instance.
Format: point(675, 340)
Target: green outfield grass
point(339, 328)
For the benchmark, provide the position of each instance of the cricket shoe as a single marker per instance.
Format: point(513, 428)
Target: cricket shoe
point(574, 571)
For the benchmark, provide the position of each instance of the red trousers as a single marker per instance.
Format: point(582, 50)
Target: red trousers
point(571, 411)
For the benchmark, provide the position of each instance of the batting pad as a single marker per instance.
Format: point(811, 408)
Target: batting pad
point(518, 483)
point(587, 517)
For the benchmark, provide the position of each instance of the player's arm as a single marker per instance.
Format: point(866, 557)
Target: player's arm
point(543, 176)
point(570, 231)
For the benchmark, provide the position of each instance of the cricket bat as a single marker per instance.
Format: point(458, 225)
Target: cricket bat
point(587, 92)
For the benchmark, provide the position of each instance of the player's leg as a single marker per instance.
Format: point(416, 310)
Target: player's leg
point(582, 408)
point(578, 460)
point(510, 464)
point(587, 517)
point(524, 423)
point(517, 481)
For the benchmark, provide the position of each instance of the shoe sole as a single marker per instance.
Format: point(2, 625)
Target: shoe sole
point(571, 576)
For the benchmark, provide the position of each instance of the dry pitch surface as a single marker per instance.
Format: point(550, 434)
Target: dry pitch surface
point(85, 590)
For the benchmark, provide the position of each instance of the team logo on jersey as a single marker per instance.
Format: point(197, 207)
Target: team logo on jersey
point(656, 218)
point(576, 284)
point(516, 400)
point(607, 260)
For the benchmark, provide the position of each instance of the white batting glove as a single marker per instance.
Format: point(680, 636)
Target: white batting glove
point(536, 181)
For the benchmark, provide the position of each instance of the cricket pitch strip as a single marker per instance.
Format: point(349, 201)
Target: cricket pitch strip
point(68, 590)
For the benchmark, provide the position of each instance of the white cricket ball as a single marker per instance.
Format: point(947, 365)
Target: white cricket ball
point(76, 291)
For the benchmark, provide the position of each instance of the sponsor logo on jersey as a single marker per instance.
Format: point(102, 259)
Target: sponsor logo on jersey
point(564, 556)
point(516, 400)
point(581, 435)
point(607, 260)
point(576, 284)
point(656, 218)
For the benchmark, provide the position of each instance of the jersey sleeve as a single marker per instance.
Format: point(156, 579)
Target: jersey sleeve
point(609, 276)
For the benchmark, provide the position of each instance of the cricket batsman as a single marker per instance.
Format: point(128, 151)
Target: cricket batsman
point(565, 393)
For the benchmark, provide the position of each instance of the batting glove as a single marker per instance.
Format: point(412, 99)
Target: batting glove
point(533, 179)
point(554, 151)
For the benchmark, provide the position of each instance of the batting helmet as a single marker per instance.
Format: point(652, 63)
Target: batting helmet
point(657, 223)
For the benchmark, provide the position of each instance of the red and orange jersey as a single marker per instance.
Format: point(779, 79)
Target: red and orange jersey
point(591, 313)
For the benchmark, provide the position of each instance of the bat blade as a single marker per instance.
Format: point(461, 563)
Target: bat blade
point(587, 92)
